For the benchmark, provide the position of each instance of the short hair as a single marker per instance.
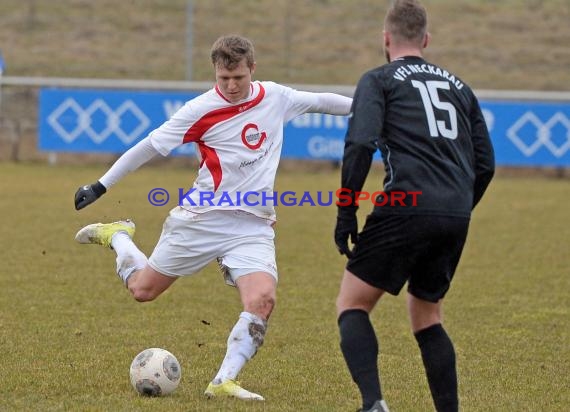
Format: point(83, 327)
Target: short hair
point(229, 51)
point(406, 20)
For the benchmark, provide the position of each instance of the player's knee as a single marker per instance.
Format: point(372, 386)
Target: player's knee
point(344, 302)
point(266, 301)
point(262, 303)
point(341, 305)
point(142, 294)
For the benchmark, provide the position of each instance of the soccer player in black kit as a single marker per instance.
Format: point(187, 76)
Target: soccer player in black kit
point(429, 128)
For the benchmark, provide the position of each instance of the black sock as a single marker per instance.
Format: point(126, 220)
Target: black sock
point(360, 349)
point(438, 356)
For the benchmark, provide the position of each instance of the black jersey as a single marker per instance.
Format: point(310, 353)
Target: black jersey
point(432, 135)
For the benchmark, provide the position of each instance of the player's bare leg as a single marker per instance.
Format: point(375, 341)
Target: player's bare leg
point(147, 284)
point(423, 314)
point(356, 294)
point(143, 282)
point(257, 293)
point(358, 340)
point(437, 351)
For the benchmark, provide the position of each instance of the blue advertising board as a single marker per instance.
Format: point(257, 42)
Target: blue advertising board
point(529, 133)
point(103, 121)
point(110, 121)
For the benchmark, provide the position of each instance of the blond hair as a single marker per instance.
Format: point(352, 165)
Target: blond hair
point(229, 51)
point(406, 20)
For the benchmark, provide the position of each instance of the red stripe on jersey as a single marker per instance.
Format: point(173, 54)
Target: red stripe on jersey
point(221, 94)
point(214, 117)
point(210, 157)
point(210, 119)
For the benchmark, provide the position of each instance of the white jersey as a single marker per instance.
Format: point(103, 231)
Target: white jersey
point(240, 144)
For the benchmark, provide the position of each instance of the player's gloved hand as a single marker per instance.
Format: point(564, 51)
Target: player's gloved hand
point(87, 194)
point(346, 227)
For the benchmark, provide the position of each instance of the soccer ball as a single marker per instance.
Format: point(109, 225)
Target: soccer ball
point(155, 372)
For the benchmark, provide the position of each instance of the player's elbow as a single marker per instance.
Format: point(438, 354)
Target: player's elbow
point(487, 172)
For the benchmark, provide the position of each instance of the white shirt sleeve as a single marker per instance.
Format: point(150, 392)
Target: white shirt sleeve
point(309, 102)
point(131, 160)
point(170, 134)
point(329, 103)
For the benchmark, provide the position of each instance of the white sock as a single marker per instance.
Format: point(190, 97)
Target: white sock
point(129, 257)
point(244, 340)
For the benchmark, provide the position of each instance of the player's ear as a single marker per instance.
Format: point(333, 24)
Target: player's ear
point(386, 36)
point(427, 39)
point(252, 68)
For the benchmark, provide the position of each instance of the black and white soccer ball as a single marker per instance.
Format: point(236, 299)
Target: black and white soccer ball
point(155, 372)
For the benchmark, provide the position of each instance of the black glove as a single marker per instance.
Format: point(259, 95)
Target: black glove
point(346, 226)
point(87, 194)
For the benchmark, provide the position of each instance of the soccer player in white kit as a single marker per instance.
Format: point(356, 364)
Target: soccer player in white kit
point(238, 127)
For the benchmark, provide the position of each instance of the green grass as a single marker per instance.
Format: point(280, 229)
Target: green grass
point(492, 44)
point(69, 330)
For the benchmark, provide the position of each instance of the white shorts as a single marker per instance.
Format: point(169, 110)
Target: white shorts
point(241, 242)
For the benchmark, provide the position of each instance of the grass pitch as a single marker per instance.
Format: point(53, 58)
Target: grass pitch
point(69, 330)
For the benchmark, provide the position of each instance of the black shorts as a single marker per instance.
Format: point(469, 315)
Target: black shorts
point(423, 250)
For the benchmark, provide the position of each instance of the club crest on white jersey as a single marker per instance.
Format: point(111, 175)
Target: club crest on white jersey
point(251, 137)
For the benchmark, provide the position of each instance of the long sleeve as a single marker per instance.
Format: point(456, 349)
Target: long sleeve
point(483, 153)
point(329, 103)
point(309, 102)
point(131, 160)
point(364, 129)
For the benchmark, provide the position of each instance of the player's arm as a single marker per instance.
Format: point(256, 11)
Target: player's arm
point(131, 160)
point(361, 141)
point(329, 103)
point(160, 141)
point(364, 128)
point(483, 152)
point(296, 102)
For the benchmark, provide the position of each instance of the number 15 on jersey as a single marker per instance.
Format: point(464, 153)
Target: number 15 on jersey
point(431, 101)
